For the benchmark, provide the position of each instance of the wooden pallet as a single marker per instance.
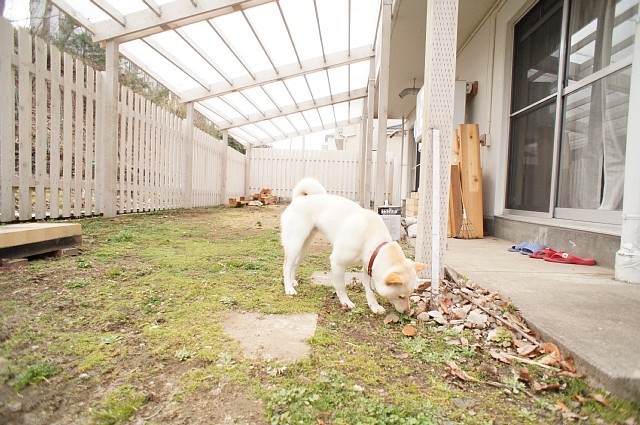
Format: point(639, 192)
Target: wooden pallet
point(18, 242)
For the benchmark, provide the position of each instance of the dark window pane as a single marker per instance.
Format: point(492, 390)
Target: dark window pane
point(530, 159)
point(536, 49)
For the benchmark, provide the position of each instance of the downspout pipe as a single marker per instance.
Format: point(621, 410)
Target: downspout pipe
point(627, 266)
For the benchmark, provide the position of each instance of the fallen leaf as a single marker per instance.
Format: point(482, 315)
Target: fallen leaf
point(524, 375)
point(568, 364)
point(560, 405)
point(551, 359)
point(527, 349)
point(455, 370)
point(573, 416)
point(445, 303)
point(391, 318)
point(538, 387)
point(500, 357)
point(409, 330)
point(549, 347)
point(579, 398)
point(600, 399)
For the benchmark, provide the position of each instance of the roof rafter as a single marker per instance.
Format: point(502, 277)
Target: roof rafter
point(260, 41)
point(175, 60)
point(66, 8)
point(289, 71)
point(232, 49)
point(194, 45)
point(174, 15)
point(291, 109)
point(305, 132)
point(111, 11)
point(155, 8)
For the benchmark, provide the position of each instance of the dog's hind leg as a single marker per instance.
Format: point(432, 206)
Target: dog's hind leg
point(294, 247)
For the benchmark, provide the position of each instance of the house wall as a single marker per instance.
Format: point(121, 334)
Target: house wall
point(486, 58)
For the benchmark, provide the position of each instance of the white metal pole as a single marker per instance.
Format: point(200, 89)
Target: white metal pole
point(435, 222)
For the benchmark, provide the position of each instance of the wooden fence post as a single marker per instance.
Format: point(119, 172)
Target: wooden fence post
point(107, 165)
point(187, 185)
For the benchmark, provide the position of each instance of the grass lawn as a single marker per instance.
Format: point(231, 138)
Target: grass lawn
point(130, 331)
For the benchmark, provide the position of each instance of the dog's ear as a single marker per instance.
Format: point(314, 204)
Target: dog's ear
point(419, 266)
point(393, 279)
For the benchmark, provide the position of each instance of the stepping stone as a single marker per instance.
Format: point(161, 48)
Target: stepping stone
point(281, 337)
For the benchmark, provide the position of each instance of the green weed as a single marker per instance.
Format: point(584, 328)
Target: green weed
point(118, 406)
point(34, 374)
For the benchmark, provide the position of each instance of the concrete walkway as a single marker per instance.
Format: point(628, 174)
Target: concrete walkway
point(582, 309)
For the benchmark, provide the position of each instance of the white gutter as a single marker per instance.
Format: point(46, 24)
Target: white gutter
point(627, 268)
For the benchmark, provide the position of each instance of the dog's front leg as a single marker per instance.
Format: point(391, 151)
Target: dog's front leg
point(371, 297)
point(337, 275)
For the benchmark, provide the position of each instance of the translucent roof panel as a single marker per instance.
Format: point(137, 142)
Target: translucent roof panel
point(264, 70)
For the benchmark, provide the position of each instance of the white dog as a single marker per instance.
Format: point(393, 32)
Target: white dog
point(358, 236)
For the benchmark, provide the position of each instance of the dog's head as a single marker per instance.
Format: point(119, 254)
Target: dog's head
point(395, 277)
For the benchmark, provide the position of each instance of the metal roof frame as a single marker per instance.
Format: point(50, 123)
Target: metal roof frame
point(246, 64)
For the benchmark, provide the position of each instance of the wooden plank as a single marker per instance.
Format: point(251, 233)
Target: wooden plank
point(455, 201)
point(89, 143)
point(67, 135)
point(41, 128)
point(54, 158)
point(79, 139)
point(471, 175)
point(26, 233)
point(122, 146)
point(137, 134)
point(24, 124)
point(7, 124)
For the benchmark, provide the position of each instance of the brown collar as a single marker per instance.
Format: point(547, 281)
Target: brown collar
point(373, 257)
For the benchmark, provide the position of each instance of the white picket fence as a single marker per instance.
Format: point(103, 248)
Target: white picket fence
point(49, 116)
point(279, 170)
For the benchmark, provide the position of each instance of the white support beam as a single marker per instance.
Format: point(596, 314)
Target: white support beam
point(225, 165)
point(371, 98)
point(154, 7)
point(176, 14)
point(439, 78)
point(111, 11)
point(289, 71)
point(107, 143)
point(159, 48)
point(383, 102)
point(73, 13)
point(187, 135)
point(266, 141)
point(315, 7)
point(304, 106)
point(260, 41)
point(203, 54)
point(284, 20)
point(232, 49)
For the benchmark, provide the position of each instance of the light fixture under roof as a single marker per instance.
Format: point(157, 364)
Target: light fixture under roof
point(409, 90)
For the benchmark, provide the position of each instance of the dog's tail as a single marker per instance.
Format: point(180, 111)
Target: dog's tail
point(308, 186)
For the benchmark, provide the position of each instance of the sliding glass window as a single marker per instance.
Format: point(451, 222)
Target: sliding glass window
point(590, 139)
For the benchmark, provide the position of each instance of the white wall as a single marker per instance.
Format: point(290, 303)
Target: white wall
point(488, 60)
